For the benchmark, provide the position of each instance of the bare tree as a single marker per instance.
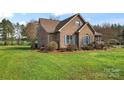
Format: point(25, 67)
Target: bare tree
point(110, 31)
point(52, 17)
point(123, 37)
point(31, 32)
point(18, 33)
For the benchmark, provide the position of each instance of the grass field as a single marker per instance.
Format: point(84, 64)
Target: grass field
point(19, 62)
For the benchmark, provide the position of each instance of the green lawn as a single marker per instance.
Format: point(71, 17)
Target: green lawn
point(19, 62)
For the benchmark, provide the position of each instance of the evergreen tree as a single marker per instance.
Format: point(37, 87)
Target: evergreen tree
point(123, 37)
point(8, 31)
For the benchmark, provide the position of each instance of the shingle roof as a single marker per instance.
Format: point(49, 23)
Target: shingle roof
point(62, 23)
point(91, 27)
point(98, 34)
point(48, 24)
point(52, 26)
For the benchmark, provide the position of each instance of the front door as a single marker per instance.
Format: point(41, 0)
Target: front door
point(75, 40)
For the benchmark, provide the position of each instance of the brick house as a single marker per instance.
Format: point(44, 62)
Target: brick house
point(73, 30)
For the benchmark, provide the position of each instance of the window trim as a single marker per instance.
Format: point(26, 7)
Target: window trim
point(77, 22)
point(86, 40)
point(68, 39)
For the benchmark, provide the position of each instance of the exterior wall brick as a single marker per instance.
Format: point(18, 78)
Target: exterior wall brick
point(70, 29)
point(52, 37)
point(85, 31)
point(42, 38)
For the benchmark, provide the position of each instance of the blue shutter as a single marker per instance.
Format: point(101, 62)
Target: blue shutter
point(73, 39)
point(84, 40)
point(65, 39)
point(89, 39)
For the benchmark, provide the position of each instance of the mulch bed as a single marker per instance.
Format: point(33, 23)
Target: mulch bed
point(69, 52)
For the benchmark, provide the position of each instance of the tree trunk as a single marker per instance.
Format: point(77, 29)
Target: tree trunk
point(18, 41)
point(33, 44)
point(5, 40)
point(11, 40)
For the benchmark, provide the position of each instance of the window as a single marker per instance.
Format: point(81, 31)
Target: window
point(68, 39)
point(86, 40)
point(78, 23)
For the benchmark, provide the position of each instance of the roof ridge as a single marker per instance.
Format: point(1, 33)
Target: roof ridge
point(48, 19)
point(69, 17)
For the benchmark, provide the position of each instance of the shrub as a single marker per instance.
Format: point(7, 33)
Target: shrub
point(113, 42)
point(99, 46)
point(88, 47)
point(52, 46)
point(70, 47)
point(42, 48)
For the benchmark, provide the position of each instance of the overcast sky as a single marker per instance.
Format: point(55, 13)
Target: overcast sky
point(93, 18)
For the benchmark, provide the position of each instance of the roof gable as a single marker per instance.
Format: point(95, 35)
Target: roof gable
point(65, 22)
point(93, 30)
point(87, 24)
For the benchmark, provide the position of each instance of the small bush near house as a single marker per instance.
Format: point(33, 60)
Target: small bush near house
point(88, 47)
point(70, 47)
point(99, 46)
point(52, 46)
point(42, 48)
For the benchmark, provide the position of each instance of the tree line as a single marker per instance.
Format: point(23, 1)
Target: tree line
point(111, 31)
point(10, 32)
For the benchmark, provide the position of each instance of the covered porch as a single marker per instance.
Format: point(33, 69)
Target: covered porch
point(98, 38)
